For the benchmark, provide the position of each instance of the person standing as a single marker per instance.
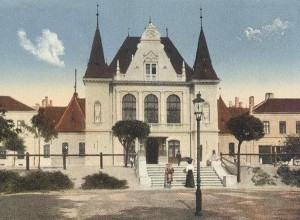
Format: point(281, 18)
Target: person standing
point(169, 175)
point(178, 157)
point(190, 181)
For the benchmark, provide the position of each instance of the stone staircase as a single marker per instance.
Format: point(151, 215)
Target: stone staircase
point(209, 178)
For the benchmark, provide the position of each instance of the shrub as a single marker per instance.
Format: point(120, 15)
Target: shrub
point(289, 177)
point(103, 181)
point(12, 182)
point(261, 178)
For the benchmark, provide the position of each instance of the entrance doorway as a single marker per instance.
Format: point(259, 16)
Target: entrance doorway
point(173, 148)
point(152, 146)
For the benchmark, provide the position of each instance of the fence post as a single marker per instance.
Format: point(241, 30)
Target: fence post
point(101, 160)
point(27, 161)
point(64, 161)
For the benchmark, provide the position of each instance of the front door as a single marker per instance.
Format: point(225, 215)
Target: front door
point(173, 148)
point(152, 151)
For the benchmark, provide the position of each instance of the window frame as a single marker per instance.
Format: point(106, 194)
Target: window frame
point(46, 150)
point(282, 127)
point(128, 107)
point(81, 149)
point(173, 109)
point(297, 127)
point(151, 109)
point(266, 127)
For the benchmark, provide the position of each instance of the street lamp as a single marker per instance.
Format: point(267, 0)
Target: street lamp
point(198, 107)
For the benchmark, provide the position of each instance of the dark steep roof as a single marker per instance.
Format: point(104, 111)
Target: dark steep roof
point(203, 69)
point(97, 68)
point(9, 104)
point(129, 47)
point(274, 105)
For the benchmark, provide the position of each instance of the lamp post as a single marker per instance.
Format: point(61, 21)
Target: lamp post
point(198, 103)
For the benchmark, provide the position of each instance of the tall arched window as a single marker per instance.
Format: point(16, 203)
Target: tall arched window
point(151, 109)
point(128, 107)
point(173, 109)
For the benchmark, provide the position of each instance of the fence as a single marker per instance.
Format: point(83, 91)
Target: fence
point(64, 157)
point(229, 160)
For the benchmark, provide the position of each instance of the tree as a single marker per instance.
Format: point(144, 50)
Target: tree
point(245, 128)
point(9, 135)
point(41, 128)
point(128, 130)
point(291, 145)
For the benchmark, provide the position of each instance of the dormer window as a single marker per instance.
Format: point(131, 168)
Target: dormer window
point(151, 71)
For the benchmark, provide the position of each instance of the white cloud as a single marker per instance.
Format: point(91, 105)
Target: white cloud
point(276, 29)
point(48, 47)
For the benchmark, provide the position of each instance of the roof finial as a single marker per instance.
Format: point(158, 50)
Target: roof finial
point(150, 20)
point(75, 86)
point(201, 16)
point(97, 14)
point(167, 32)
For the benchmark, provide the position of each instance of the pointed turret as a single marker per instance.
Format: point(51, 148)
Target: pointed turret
point(203, 68)
point(97, 67)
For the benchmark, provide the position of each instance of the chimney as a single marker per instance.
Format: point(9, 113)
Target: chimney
point(269, 95)
point(46, 99)
point(230, 103)
point(43, 103)
point(241, 104)
point(251, 101)
point(37, 106)
point(51, 103)
point(236, 102)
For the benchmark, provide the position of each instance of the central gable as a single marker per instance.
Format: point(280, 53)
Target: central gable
point(150, 62)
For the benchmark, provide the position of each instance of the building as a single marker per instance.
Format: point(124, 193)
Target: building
point(19, 113)
point(280, 117)
point(149, 80)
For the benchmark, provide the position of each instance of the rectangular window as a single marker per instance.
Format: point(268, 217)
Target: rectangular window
point(81, 149)
point(20, 154)
point(65, 148)
point(153, 69)
point(46, 150)
point(2, 153)
point(266, 127)
point(282, 127)
point(148, 69)
point(231, 149)
point(298, 127)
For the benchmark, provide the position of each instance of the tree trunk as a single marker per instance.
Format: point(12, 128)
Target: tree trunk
point(239, 162)
point(39, 150)
point(126, 153)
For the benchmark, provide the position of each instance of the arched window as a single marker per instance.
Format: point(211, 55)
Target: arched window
point(97, 112)
point(151, 109)
point(128, 107)
point(206, 112)
point(173, 109)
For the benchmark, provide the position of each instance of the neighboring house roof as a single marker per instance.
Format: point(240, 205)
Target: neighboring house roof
point(73, 119)
point(9, 104)
point(67, 119)
point(226, 113)
point(278, 105)
point(203, 69)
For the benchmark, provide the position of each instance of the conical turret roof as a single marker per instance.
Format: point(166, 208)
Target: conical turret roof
point(97, 67)
point(203, 69)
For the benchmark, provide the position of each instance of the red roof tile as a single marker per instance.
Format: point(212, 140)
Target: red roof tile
point(9, 104)
point(73, 119)
point(274, 105)
point(226, 113)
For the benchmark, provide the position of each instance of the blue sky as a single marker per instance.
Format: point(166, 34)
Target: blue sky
point(254, 44)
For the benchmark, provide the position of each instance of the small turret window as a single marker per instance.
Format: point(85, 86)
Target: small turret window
point(97, 112)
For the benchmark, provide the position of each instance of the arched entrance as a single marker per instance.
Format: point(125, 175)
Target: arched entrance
point(152, 146)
